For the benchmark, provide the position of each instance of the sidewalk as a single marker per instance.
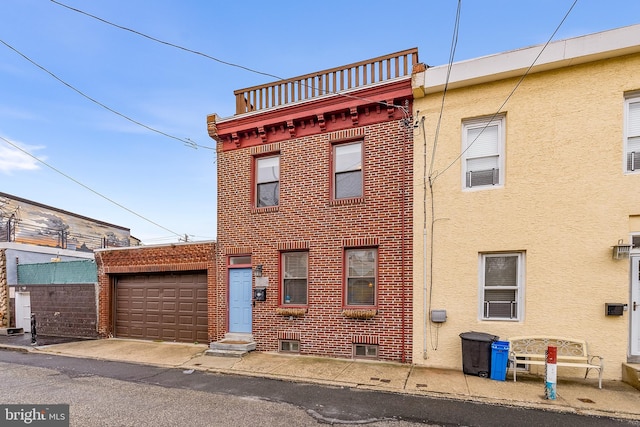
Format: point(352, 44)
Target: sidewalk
point(615, 399)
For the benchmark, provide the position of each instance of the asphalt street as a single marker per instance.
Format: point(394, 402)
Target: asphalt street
point(113, 393)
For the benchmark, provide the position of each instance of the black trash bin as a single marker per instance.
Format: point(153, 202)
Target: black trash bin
point(476, 353)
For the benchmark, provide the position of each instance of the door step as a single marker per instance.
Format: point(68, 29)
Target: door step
point(631, 374)
point(11, 331)
point(232, 345)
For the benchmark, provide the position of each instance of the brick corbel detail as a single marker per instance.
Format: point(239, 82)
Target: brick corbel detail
point(262, 133)
point(354, 115)
point(321, 123)
point(390, 108)
point(292, 128)
point(235, 139)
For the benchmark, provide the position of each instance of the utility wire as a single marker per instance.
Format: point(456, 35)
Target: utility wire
point(165, 42)
point(512, 91)
point(186, 141)
point(88, 188)
point(231, 64)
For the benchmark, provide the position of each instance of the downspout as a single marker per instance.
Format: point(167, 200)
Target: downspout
point(403, 172)
point(424, 245)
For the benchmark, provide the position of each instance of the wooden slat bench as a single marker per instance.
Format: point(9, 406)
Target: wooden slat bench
point(531, 350)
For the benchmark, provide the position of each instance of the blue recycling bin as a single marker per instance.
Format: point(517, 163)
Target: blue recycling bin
point(499, 360)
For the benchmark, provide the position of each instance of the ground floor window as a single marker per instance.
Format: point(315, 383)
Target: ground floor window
point(501, 278)
point(361, 276)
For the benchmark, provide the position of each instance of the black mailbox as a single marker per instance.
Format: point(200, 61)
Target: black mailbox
point(260, 294)
point(614, 309)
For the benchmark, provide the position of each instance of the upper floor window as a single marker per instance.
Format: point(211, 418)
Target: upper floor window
point(361, 276)
point(632, 135)
point(294, 278)
point(347, 170)
point(267, 181)
point(483, 152)
point(501, 284)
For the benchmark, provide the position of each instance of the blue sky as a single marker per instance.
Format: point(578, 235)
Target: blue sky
point(102, 165)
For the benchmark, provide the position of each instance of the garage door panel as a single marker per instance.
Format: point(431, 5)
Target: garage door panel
point(169, 307)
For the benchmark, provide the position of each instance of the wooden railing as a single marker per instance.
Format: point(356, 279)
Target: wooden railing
point(325, 82)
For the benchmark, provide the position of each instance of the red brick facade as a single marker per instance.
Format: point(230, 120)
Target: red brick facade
point(308, 218)
point(154, 259)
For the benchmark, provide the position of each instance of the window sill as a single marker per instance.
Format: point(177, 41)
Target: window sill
point(295, 312)
point(265, 209)
point(353, 201)
point(359, 313)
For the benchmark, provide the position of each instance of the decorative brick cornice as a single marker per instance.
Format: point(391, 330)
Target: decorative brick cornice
point(293, 245)
point(365, 339)
point(237, 250)
point(289, 335)
point(360, 242)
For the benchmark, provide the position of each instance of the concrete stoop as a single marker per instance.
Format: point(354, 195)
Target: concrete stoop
point(11, 331)
point(232, 345)
point(631, 374)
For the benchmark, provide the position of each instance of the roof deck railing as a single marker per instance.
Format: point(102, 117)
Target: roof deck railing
point(325, 82)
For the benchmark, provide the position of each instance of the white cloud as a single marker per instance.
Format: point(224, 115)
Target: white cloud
point(12, 159)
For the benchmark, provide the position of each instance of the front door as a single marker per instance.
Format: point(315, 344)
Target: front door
point(240, 300)
point(23, 311)
point(635, 306)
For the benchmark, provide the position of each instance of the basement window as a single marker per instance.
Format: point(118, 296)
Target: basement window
point(365, 351)
point(289, 346)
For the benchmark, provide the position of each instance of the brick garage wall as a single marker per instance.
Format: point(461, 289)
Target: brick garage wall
point(64, 310)
point(306, 215)
point(198, 256)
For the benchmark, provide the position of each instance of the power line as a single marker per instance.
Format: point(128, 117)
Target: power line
point(231, 64)
point(512, 91)
point(87, 187)
point(186, 141)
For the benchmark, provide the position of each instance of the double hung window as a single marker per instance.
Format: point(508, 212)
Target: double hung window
point(361, 276)
point(267, 181)
point(632, 135)
point(483, 152)
point(347, 170)
point(294, 278)
point(501, 285)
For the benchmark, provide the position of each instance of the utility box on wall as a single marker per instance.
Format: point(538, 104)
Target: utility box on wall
point(614, 309)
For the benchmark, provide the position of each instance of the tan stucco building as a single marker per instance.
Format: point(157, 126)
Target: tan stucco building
point(521, 190)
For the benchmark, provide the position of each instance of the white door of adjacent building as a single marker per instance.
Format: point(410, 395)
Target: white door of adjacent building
point(635, 307)
point(23, 311)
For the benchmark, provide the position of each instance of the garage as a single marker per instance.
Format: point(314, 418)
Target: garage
point(164, 306)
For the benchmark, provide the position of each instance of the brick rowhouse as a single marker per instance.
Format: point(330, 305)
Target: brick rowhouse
point(308, 218)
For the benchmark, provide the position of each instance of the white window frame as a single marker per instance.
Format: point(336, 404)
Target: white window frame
point(518, 312)
point(468, 155)
point(631, 132)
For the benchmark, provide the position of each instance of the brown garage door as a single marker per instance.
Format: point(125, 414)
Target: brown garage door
point(168, 307)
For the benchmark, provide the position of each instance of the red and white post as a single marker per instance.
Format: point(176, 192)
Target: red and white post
point(551, 373)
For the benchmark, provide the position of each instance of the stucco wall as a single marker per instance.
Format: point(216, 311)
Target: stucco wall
point(565, 202)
